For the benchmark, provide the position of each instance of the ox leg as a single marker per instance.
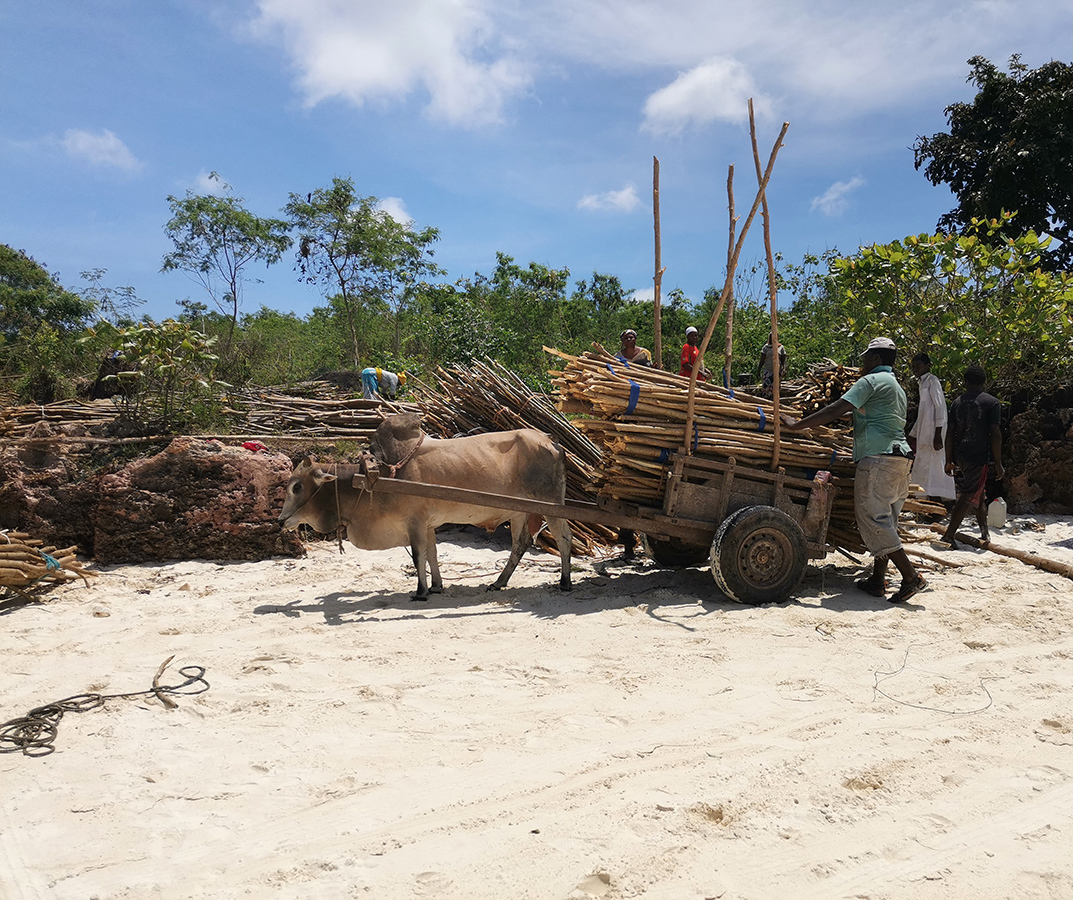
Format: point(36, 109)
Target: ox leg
point(520, 541)
point(560, 530)
point(423, 550)
point(433, 561)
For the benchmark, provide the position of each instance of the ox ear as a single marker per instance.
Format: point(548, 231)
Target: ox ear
point(324, 477)
point(306, 463)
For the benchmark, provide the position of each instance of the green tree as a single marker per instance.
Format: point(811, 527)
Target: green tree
point(168, 383)
point(1010, 149)
point(368, 264)
point(526, 307)
point(963, 300)
point(29, 295)
point(215, 239)
point(115, 305)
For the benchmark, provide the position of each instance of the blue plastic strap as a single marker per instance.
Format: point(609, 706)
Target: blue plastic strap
point(696, 435)
point(609, 369)
point(635, 392)
point(763, 419)
point(664, 454)
point(834, 453)
point(50, 561)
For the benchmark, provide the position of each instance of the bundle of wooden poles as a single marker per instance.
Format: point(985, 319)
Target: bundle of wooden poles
point(268, 412)
point(19, 421)
point(26, 561)
point(486, 396)
point(824, 383)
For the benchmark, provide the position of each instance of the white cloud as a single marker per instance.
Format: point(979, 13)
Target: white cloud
point(835, 200)
point(395, 208)
point(100, 149)
point(716, 89)
point(468, 59)
point(623, 201)
point(370, 51)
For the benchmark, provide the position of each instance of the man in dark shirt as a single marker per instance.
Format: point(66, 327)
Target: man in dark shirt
point(973, 449)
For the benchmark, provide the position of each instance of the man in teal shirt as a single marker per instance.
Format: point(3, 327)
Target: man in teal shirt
point(881, 452)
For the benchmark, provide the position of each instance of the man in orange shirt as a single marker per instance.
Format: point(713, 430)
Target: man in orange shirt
point(690, 352)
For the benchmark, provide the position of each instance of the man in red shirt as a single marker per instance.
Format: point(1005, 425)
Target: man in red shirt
point(690, 352)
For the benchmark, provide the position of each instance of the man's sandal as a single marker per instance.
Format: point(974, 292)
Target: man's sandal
point(870, 587)
point(908, 590)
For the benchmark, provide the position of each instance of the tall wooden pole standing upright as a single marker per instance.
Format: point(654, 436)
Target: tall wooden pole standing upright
point(657, 280)
point(766, 219)
point(687, 446)
point(728, 350)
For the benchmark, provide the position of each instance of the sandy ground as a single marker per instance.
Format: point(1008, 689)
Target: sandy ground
point(641, 736)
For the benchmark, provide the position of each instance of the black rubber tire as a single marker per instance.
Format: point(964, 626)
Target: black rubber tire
point(759, 555)
point(675, 554)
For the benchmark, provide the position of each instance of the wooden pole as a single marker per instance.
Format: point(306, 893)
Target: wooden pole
point(728, 284)
point(728, 349)
point(657, 279)
point(1029, 559)
point(766, 218)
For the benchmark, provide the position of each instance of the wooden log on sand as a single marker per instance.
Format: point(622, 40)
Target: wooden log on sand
point(1029, 559)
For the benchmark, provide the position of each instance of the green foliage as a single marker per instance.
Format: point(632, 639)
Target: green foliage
point(30, 295)
point(811, 325)
point(369, 266)
point(169, 384)
point(215, 239)
point(114, 305)
point(963, 300)
point(1011, 149)
point(39, 321)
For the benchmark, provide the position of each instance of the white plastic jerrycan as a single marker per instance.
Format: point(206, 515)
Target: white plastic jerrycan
point(996, 513)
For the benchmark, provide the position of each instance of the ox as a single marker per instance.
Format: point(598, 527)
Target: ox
point(523, 463)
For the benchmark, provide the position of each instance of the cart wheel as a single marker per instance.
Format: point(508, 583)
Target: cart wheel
point(674, 553)
point(759, 555)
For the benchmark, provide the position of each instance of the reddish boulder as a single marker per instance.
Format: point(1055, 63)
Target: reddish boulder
point(196, 499)
point(44, 492)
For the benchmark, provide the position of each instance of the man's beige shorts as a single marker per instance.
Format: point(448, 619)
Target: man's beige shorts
point(880, 487)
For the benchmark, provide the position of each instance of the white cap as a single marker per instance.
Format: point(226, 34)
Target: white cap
point(691, 330)
point(880, 343)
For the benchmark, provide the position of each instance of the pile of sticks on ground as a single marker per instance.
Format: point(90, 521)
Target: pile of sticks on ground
point(25, 562)
point(488, 397)
point(19, 421)
point(269, 412)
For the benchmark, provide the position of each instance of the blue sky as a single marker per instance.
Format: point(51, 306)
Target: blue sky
point(521, 126)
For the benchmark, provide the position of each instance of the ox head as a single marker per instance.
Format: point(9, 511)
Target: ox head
point(305, 502)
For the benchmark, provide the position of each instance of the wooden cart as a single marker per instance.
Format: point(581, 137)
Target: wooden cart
point(757, 529)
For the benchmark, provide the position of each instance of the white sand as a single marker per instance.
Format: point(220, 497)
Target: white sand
point(638, 737)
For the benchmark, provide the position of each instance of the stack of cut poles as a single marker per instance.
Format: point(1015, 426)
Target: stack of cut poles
point(485, 397)
point(270, 412)
point(824, 383)
point(638, 415)
point(25, 562)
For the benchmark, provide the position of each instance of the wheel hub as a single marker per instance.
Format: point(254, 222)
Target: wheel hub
point(764, 556)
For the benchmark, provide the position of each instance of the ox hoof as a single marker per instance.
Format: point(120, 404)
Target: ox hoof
point(422, 598)
point(493, 587)
point(565, 588)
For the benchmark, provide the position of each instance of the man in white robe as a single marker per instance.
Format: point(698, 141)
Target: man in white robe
point(929, 434)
